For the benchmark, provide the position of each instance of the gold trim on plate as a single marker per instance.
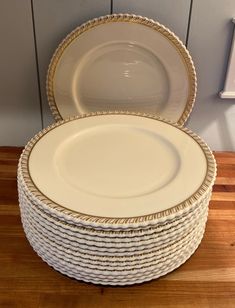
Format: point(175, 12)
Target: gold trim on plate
point(123, 18)
point(35, 193)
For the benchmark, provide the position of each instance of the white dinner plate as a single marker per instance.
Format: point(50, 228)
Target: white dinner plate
point(51, 228)
point(122, 62)
point(115, 277)
point(110, 250)
point(169, 228)
point(112, 261)
point(39, 210)
point(118, 167)
point(109, 263)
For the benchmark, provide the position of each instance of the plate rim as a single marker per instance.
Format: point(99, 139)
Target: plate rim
point(189, 202)
point(122, 18)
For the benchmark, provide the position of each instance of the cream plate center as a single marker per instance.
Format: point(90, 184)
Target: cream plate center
point(123, 75)
point(117, 161)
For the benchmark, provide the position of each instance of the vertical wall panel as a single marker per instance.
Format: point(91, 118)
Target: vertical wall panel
point(173, 14)
point(20, 116)
point(210, 39)
point(53, 21)
point(209, 42)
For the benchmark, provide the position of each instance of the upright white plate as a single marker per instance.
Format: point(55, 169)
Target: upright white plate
point(122, 62)
point(118, 166)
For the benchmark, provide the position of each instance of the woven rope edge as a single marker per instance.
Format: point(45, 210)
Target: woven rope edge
point(55, 234)
point(204, 189)
point(167, 250)
point(38, 212)
point(122, 18)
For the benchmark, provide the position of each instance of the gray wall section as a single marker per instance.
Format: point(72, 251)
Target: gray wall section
point(20, 116)
point(173, 14)
point(209, 43)
point(53, 21)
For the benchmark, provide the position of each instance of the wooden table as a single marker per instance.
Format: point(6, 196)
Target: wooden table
point(207, 279)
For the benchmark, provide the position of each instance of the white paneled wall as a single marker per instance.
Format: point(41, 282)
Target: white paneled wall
point(20, 116)
point(32, 29)
point(209, 43)
point(53, 21)
point(173, 14)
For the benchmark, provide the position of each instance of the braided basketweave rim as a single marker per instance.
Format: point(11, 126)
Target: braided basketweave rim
point(198, 195)
point(176, 42)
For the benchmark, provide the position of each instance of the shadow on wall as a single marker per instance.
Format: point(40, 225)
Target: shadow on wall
point(225, 135)
point(213, 118)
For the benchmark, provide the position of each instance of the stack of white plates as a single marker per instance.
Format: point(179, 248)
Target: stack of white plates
point(115, 198)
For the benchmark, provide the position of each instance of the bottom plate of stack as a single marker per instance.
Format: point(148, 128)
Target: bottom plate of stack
point(94, 232)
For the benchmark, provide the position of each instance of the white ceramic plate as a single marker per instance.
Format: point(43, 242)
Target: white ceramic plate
point(105, 253)
point(52, 228)
point(103, 261)
point(161, 233)
point(117, 169)
point(117, 166)
point(109, 247)
point(122, 62)
point(175, 263)
point(129, 277)
point(39, 211)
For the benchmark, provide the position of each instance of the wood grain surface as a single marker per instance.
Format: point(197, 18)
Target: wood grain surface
point(207, 279)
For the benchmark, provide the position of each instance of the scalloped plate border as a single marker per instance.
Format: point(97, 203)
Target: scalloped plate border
point(34, 191)
point(123, 18)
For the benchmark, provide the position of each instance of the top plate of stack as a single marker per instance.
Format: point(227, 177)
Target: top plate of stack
point(125, 63)
point(114, 170)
